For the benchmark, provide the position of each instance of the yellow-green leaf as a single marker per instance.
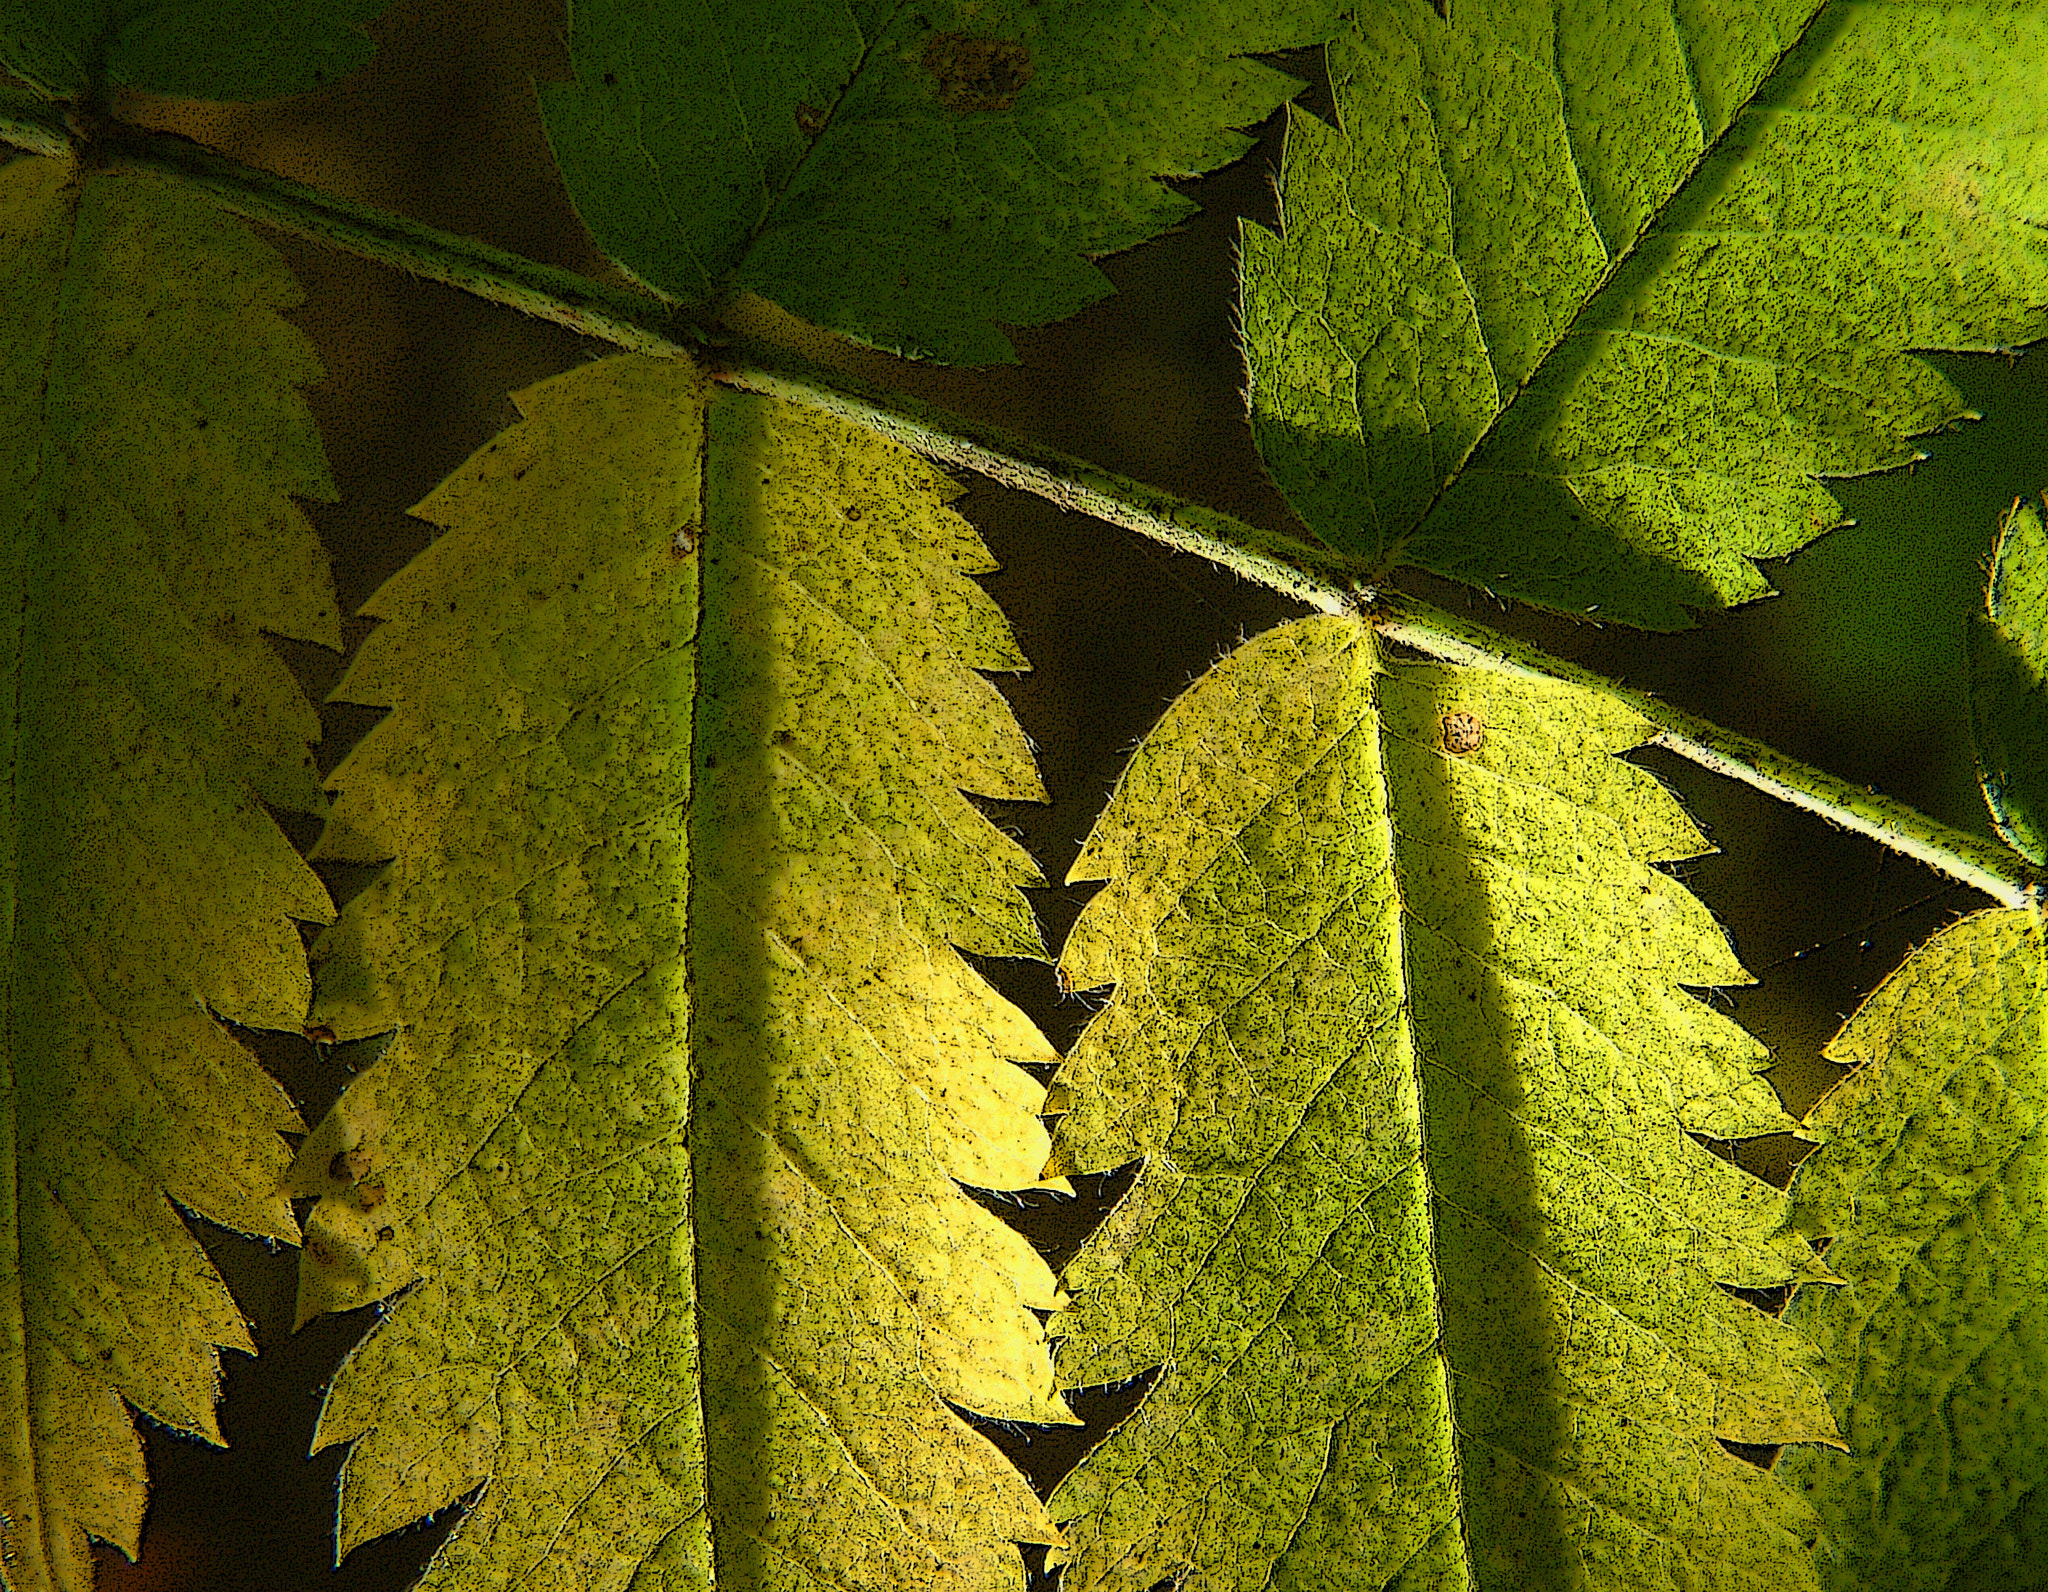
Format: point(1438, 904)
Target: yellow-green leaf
point(1932, 1183)
point(151, 439)
point(682, 706)
point(1428, 1270)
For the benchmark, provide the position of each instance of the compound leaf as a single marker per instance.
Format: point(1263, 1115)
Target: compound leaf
point(1579, 303)
point(1932, 1183)
point(1426, 1265)
point(152, 437)
point(907, 175)
point(682, 705)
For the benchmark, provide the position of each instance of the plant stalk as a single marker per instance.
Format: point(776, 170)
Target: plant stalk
point(631, 320)
point(1310, 574)
point(1973, 860)
point(1302, 570)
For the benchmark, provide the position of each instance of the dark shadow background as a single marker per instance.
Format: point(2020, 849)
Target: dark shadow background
point(1857, 667)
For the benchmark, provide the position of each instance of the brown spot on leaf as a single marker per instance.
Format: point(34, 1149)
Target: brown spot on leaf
point(319, 1033)
point(977, 74)
point(1463, 733)
point(810, 119)
point(369, 1195)
point(386, 1234)
point(684, 542)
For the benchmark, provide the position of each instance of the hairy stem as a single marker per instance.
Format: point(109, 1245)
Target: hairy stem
point(1975, 861)
point(1299, 569)
point(1310, 574)
point(636, 321)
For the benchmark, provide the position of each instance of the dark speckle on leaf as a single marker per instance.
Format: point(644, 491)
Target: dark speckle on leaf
point(1463, 733)
point(977, 74)
point(611, 80)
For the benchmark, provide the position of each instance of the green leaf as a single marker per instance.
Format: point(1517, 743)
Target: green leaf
point(1579, 303)
point(2009, 684)
point(682, 705)
point(1427, 1268)
point(195, 49)
point(909, 176)
point(151, 439)
point(1932, 1181)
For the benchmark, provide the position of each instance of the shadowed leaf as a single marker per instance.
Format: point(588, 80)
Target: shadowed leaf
point(1580, 303)
point(151, 440)
point(907, 175)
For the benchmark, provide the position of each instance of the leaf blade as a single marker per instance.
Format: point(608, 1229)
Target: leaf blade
point(912, 179)
point(1928, 1182)
point(155, 438)
point(1456, 366)
point(212, 49)
point(1369, 1110)
point(2008, 682)
point(791, 1099)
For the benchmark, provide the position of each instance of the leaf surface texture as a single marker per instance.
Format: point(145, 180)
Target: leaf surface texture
point(1421, 1253)
point(195, 49)
point(909, 175)
point(152, 437)
point(682, 705)
point(1932, 1183)
point(1579, 302)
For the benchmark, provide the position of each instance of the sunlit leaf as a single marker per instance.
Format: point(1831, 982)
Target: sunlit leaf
point(1428, 1269)
point(1932, 1185)
point(682, 705)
